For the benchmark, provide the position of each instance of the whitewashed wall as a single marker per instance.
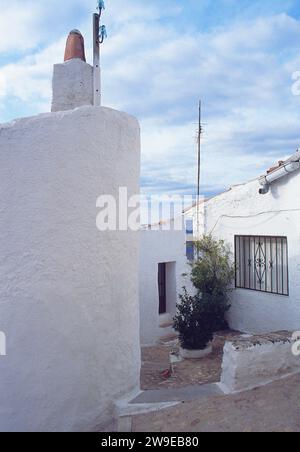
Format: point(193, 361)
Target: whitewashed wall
point(68, 293)
point(259, 363)
point(273, 214)
point(72, 85)
point(159, 247)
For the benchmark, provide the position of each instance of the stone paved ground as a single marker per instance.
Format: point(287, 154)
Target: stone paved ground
point(188, 372)
point(272, 408)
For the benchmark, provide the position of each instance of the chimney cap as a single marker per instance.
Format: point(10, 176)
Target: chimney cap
point(75, 46)
point(75, 32)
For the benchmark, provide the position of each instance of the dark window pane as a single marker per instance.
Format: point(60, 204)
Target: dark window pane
point(189, 225)
point(262, 264)
point(190, 251)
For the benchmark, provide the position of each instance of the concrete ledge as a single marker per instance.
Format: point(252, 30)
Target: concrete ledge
point(255, 361)
point(165, 319)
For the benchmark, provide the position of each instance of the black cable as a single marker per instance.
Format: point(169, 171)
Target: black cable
point(252, 216)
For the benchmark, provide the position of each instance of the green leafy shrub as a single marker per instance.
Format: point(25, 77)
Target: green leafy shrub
point(202, 314)
point(193, 322)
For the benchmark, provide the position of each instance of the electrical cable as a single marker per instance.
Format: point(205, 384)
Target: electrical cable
point(252, 216)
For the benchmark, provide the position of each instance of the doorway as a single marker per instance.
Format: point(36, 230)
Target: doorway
point(162, 289)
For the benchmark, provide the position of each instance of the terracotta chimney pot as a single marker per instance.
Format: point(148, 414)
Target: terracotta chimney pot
point(75, 46)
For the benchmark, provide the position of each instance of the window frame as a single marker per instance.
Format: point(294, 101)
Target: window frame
point(190, 243)
point(265, 237)
point(189, 230)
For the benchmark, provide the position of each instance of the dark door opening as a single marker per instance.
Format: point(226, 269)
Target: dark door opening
point(162, 289)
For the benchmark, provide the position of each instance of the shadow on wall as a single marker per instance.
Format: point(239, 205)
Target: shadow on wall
point(260, 312)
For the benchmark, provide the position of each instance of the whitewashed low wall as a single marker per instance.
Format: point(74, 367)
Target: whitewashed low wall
point(68, 293)
point(254, 362)
point(159, 247)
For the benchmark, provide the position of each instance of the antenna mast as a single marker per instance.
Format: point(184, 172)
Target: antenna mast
point(199, 135)
point(99, 34)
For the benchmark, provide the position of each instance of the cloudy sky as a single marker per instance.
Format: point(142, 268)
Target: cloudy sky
point(161, 56)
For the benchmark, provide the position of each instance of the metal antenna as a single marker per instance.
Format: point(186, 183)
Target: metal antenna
point(199, 135)
point(99, 34)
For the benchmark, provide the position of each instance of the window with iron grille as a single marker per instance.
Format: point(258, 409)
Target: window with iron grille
point(262, 264)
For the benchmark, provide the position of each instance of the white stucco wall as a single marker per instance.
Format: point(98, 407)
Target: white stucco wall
point(249, 367)
point(243, 211)
point(68, 293)
point(72, 85)
point(159, 247)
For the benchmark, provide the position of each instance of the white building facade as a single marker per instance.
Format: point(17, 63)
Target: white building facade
point(162, 265)
point(260, 222)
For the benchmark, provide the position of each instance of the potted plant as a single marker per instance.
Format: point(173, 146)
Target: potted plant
point(200, 315)
point(193, 326)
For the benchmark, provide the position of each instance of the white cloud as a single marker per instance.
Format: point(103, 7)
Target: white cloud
point(242, 72)
point(30, 78)
point(28, 25)
point(3, 87)
point(18, 25)
point(136, 11)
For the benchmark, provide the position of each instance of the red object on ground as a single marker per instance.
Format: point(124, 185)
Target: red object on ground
point(166, 374)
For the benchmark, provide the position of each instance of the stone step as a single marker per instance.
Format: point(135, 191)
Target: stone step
point(185, 394)
point(166, 325)
point(161, 399)
point(167, 332)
